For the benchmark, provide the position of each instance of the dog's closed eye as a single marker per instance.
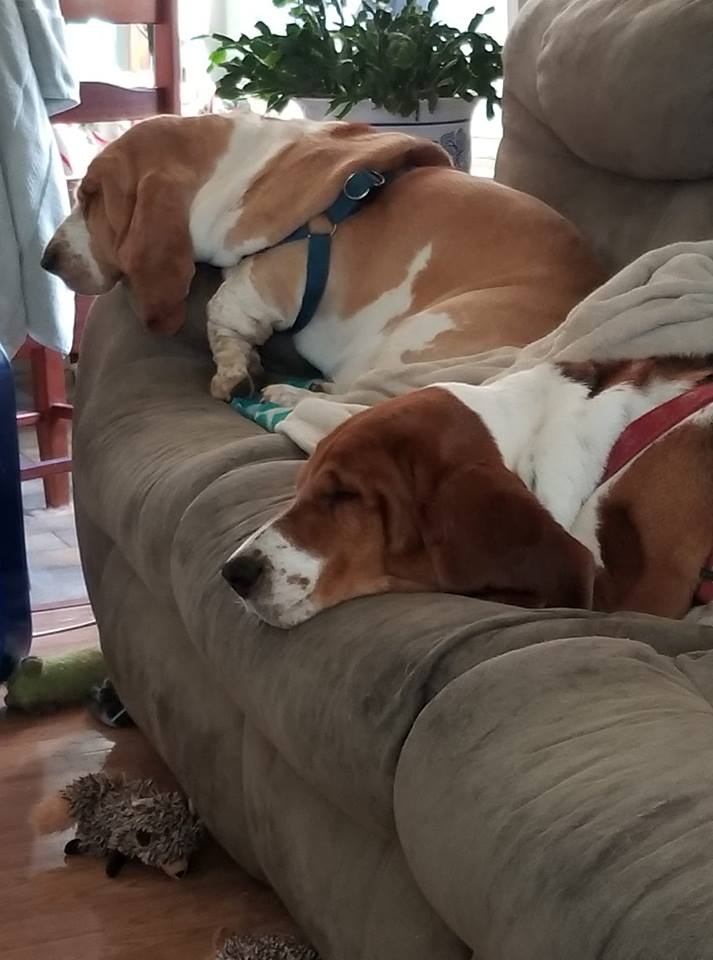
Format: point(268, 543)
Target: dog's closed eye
point(339, 496)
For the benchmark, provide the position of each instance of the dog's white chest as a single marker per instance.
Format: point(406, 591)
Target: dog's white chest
point(375, 336)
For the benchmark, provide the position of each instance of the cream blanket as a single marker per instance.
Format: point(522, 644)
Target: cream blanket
point(661, 304)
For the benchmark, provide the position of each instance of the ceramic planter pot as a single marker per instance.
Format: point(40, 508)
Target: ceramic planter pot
point(448, 124)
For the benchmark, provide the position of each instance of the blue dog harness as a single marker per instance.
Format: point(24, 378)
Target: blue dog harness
point(357, 189)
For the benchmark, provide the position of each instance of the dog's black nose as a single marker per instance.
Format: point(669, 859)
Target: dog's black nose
point(243, 572)
point(49, 259)
point(181, 873)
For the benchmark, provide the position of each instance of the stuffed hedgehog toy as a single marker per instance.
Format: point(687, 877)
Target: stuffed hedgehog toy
point(124, 820)
point(265, 947)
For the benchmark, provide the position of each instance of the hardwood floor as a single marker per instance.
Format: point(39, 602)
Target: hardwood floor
point(68, 910)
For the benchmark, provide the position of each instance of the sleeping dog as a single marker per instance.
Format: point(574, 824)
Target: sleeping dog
point(393, 256)
point(577, 485)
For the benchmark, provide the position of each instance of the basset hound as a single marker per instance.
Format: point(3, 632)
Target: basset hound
point(390, 254)
point(577, 485)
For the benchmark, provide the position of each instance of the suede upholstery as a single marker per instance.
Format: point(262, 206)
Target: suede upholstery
point(608, 117)
point(419, 777)
point(425, 777)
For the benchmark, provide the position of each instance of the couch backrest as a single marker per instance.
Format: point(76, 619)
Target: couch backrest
point(608, 116)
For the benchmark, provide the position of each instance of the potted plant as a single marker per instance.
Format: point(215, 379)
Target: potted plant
point(400, 70)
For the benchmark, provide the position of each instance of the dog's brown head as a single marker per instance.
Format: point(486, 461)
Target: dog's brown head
point(411, 495)
point(131, 214)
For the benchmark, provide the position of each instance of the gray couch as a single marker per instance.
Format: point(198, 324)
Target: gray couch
point(419, 777)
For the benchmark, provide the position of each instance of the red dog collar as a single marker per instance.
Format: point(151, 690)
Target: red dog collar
point(644, 431)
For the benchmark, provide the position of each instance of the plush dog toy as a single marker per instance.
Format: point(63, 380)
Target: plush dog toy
point(124, 820)
point(264, 947)
point(37, 684)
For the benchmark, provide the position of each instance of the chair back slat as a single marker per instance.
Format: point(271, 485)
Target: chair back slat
point(115, 11)
point(106, 102)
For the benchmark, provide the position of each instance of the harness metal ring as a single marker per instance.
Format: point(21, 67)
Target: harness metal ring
point(367, 189)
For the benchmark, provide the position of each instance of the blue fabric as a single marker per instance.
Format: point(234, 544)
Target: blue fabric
point(266, 414)
point(357, 189)
point(319, 257)
point(15, 620)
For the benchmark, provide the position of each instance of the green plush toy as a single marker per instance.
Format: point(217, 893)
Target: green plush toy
point(38, 684)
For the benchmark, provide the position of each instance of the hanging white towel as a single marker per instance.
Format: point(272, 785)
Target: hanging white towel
point(35, 82)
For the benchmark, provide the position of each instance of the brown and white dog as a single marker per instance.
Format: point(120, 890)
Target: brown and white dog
point(439, 265)
point(496, 491)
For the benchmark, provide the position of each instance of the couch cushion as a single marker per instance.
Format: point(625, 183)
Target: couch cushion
point(583, 139)
point(557, 802)
point(626, 86)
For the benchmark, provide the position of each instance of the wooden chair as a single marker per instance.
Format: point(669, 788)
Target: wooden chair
point(100, 102)
point(106, 102)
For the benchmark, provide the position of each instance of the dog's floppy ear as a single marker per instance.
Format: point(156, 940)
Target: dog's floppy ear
point(488, 536)
point(304, 179)
point(156, 254)
point(399, 515)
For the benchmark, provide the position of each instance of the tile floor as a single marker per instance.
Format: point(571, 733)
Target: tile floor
point(51, 538)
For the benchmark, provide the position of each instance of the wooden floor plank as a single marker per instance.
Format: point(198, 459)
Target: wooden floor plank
point(68, 909)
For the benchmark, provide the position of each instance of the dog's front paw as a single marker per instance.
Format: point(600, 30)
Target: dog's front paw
point(238, 379)
point(225, 384)
point(285, 395)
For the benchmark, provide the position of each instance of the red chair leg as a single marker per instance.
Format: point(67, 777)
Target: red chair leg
point(49, 388)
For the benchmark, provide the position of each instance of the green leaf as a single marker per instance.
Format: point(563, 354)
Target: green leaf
point(218, 56)
point(272, 59)
point(262, 48)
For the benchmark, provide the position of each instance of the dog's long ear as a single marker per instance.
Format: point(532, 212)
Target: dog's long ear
point(488, 536)
point(156, 254)
point(304, 179)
